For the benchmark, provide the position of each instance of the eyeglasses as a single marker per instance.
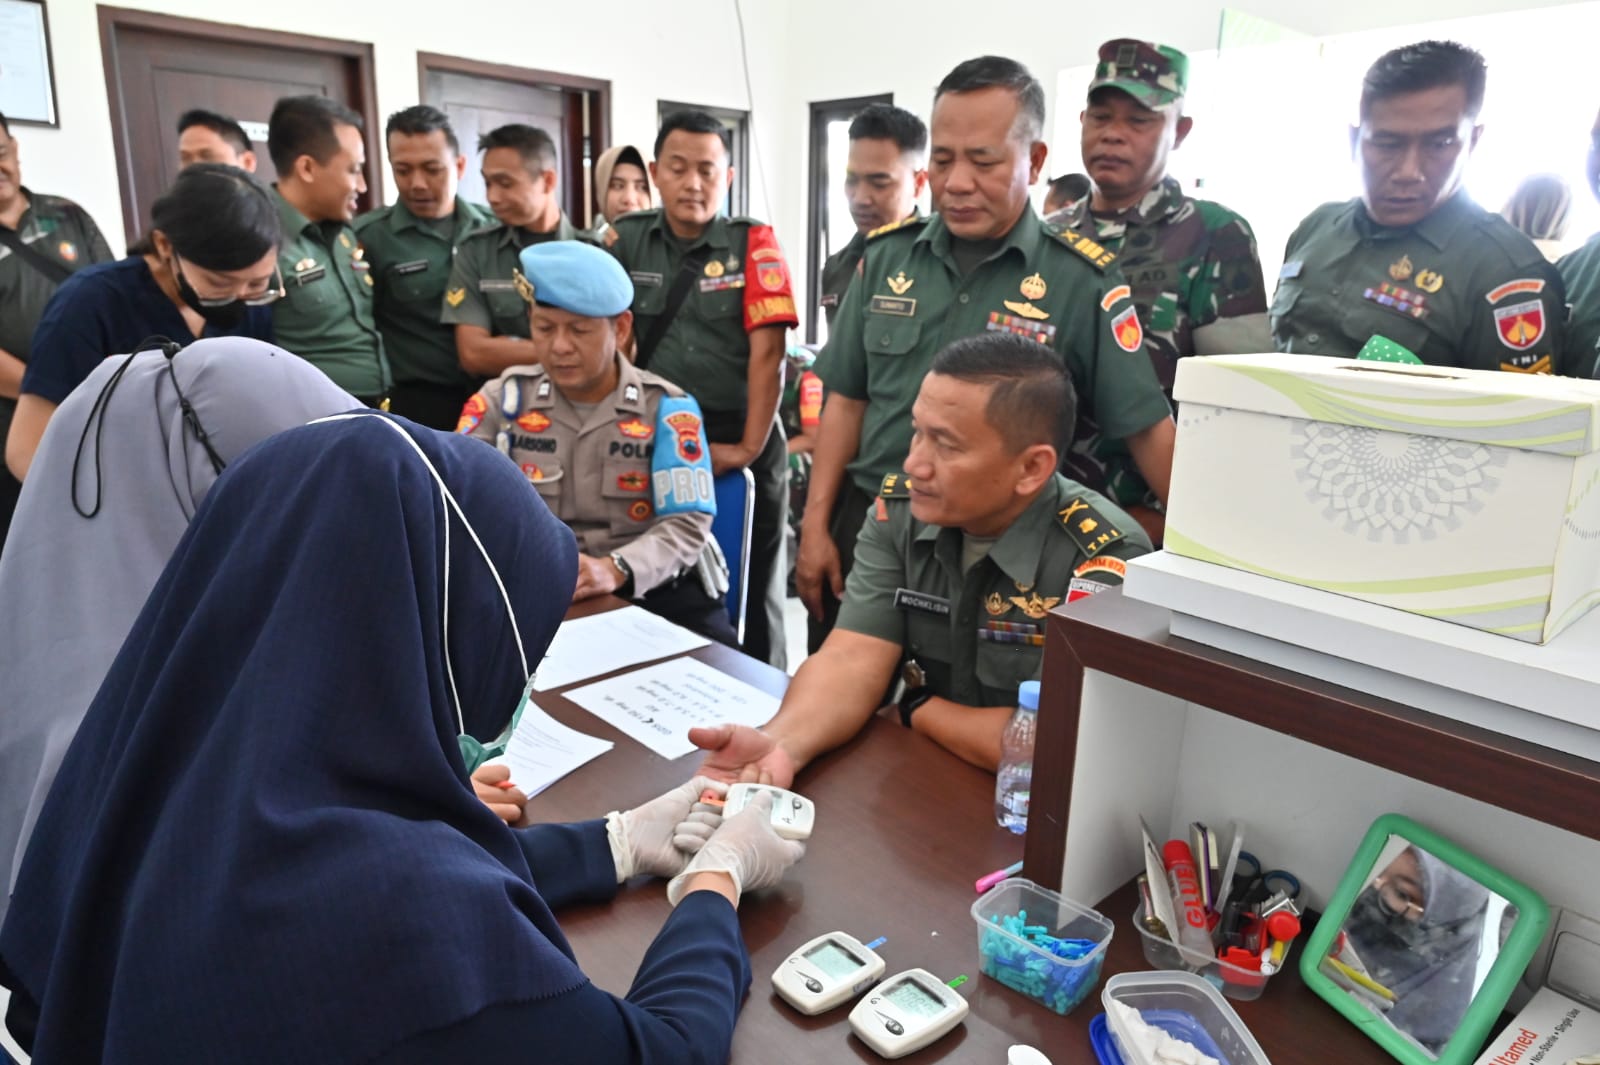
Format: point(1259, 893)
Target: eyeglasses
point(1397, 900)
point(272, 295)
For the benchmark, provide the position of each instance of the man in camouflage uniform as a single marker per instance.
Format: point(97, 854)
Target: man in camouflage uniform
point(1192, 264)
point(1414, 259)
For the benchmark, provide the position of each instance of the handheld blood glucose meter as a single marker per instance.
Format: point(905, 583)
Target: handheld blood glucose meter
point(792, 815)
point(826, 972)
point(907, 1012)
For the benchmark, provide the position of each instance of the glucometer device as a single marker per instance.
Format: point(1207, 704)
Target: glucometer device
point(793, 816)
point(826, 972)
point(907, 1012)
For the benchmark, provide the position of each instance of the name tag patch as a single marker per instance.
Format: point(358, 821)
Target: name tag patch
point(725, 281)
point(645, 277)
point(896, 305)
point(415, 266)
point(921, 602)
point(497, 285)
point(304, 277)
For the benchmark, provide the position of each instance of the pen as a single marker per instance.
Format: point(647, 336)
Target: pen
point(984, 883)
point(1361, 979)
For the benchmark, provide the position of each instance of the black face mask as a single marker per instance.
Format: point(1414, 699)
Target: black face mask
point(222, 315)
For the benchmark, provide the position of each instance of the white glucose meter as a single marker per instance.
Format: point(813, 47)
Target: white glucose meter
point(792, 815)
point(907, 1012)
point(826, 972)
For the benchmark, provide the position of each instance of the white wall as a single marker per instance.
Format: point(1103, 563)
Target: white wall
point(649, 52)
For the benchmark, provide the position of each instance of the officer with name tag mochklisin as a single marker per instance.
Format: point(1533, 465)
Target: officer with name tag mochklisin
point(617, 453)
point(958, 564)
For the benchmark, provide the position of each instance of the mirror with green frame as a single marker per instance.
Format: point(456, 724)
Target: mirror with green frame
point(1422, 943)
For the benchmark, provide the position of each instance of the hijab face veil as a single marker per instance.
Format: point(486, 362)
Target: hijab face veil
point(70, 585)
point(263, 841)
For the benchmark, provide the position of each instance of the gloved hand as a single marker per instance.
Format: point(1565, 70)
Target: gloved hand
point(746, 848)
point(659, 837)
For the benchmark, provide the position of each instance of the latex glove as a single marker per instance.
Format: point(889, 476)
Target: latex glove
point(647, 840)
point(746, 848)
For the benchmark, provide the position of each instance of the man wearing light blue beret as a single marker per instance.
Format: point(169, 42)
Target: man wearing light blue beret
point(617, 453)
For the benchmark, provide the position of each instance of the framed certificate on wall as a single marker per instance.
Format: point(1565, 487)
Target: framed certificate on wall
point(27, 78)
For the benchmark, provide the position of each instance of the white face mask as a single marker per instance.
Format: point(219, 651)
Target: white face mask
point(473, 751)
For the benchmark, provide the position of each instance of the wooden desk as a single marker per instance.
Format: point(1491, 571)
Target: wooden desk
point(903, 829)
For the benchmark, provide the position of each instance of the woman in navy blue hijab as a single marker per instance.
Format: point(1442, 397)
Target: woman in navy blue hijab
point(263, 845)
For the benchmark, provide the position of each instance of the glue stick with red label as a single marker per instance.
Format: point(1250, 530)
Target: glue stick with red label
point(1187, 903)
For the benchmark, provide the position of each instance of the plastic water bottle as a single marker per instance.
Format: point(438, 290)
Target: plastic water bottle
point(1015, 778)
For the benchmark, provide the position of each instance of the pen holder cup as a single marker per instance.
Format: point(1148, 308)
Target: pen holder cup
point(1237, 982)
point(1036, 942)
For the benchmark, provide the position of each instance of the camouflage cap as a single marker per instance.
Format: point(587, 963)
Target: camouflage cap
point(1154, 74)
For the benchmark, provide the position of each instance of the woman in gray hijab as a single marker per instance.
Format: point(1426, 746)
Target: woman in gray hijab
point(119, 472)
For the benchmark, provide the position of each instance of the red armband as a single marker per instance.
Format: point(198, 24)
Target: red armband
point(768, 294)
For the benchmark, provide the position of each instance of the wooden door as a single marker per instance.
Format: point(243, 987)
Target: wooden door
point(480, 97)
point(158, 67)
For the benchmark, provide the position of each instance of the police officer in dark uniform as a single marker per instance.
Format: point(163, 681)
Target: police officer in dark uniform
point(712, 301)
point(325, 316)
point(43, 239)
point(958, 565)
point(884, 174)
point(1414, 259)
point(411, 246)
point(481, 302)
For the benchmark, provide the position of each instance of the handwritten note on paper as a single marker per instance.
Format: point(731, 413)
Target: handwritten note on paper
point(660, 704)
point(601, 643)
point(543, 750)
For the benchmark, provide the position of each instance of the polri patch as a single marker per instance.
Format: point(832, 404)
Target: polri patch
point(921, 602)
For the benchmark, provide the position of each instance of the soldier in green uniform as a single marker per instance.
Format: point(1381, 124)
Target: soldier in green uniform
point(712, 302)
point(958, 565)
point(1192, 264)
point(1580, 271)
point(985, 262)
point(481, 301)
point(884, 175)
point(410, 247)
point(325, 316)
point(1414, 259)
point(43, 239)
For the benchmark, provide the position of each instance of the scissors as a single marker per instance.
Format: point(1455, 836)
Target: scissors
point(1252, 891)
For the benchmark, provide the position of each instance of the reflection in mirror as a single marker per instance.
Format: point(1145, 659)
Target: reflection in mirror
point(1422, 943)
point(1417, 943)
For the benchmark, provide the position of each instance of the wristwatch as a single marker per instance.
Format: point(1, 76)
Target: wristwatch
point(916, 691)
point(625, 589)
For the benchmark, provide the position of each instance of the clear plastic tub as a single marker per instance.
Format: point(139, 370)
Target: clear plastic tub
point(1235, 981)
point(1185, 1005)
point(1055, 982)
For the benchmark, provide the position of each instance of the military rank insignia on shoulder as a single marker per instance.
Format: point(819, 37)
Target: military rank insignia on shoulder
point(914, 220)
point(1091, 250)
point(896, 486)
point(1089, 529)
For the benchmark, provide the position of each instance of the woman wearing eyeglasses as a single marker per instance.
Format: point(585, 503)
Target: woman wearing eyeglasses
point(207, 268)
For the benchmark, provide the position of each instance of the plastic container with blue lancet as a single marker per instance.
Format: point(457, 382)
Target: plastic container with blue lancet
point(1040, 944)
